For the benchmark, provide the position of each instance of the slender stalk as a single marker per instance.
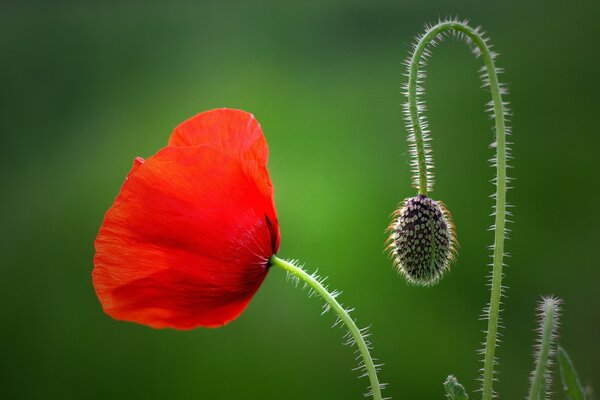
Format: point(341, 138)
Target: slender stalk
point(423, 162)
point(549, 310)
point(330, 299)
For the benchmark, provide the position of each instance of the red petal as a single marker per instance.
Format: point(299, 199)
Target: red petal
point(187, 241)
point(138, 161)
point(234, 132)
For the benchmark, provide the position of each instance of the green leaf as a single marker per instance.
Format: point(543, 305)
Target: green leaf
point(570, 381)
point(454, 390)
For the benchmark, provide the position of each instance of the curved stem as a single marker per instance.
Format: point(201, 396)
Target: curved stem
point(476, 39)
point(314, 284)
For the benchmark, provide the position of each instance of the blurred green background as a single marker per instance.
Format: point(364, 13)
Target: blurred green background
point(86, 87)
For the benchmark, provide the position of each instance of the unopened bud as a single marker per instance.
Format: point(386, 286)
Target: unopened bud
point(422, 240)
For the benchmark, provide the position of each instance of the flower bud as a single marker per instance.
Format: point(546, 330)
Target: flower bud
point(422, 240)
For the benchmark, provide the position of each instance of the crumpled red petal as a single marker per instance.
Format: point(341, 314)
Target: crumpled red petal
point(233, 132)
point(187, 241)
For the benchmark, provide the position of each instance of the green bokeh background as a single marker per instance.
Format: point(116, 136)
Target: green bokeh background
point(84, 88)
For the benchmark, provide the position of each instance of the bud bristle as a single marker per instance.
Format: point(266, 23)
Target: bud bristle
point(422, 241)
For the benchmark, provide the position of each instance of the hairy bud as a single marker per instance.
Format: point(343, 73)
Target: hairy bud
point(422, 240)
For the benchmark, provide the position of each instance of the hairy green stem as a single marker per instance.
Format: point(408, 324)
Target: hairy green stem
point(549, 309)
point(330, 299)
point(478, 41)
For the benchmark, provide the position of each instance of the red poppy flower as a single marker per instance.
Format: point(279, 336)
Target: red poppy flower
point(188, 240)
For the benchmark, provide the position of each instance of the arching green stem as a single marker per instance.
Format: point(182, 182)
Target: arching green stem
point(475, 38)
point(330, 299)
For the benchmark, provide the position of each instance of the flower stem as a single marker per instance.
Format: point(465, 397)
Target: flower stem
point(540, 378)
point(423, 162)
point(342, 313)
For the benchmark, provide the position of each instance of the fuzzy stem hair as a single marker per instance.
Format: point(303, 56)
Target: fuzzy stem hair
point(355, 336)
point(422, 160)
point(545, 348)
